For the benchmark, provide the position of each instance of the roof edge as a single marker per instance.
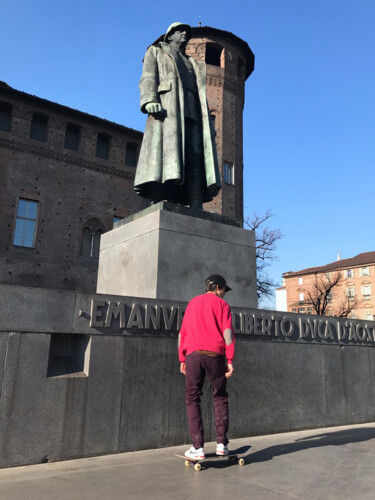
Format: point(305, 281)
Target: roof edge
point(4, 87)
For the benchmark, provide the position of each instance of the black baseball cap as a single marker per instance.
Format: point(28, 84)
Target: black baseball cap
point(217, 279)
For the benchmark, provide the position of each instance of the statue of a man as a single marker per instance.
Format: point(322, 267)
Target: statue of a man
point(178, 160)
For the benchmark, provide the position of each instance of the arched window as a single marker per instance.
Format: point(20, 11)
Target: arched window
point(102, 146)
point(5, 116)
point(215, 55)
point(90, 244)
point(38, 130)
point(72, 137)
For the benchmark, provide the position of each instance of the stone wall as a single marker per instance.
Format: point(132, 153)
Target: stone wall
point(87, 374)
point(71, 188)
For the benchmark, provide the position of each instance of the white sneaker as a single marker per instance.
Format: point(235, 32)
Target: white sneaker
point(195, 453)
point(222, 449)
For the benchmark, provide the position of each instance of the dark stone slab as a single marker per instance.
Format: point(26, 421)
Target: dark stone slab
point(275, 388)
point(348, 389)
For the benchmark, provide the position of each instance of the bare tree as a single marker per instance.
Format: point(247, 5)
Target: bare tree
point(321, 294)
point(346, 306)
point(265, 243)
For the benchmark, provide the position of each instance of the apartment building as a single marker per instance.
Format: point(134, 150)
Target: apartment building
point(343, 288)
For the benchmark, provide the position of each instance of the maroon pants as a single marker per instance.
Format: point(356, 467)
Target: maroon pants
point(197, 367)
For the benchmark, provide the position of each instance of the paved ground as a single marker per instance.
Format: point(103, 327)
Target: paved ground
point(324, 464)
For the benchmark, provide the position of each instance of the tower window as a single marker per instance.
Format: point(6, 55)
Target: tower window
point(228, 173)
point(213, 121)
point(102, 146)
point(5, 117)
point(38, 130)
point(72, 137)
point(215, 55)
point(131, 155)
point(27, 213)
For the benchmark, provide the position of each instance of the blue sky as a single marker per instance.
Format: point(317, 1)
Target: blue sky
point(309, 117)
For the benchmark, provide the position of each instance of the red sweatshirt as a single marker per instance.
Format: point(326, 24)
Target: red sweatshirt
point(206, 318)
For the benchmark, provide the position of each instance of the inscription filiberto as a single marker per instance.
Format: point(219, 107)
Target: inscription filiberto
point(105, 315)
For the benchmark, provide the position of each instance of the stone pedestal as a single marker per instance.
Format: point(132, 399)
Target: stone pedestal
point(166, 252)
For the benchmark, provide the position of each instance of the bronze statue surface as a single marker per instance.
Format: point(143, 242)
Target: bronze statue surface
point(178, 160)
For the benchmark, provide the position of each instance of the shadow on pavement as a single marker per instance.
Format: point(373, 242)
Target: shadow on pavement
point(338, 438)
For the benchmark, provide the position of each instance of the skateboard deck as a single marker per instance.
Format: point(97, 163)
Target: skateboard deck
point(237, 456)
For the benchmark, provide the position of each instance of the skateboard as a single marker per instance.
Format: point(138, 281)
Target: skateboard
point(234, 456)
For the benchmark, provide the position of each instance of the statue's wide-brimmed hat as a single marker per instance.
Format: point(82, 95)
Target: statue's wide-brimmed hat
point(174, 26)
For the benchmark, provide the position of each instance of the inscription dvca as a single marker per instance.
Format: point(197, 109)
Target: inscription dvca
point(118, 315)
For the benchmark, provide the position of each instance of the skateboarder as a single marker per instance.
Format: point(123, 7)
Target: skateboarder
point(206, 339)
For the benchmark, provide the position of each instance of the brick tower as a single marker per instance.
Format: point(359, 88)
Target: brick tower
point(230, 62)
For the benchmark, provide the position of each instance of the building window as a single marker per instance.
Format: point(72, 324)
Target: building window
point(350, 292)
point(329, 296)
point(366, 291)
point(369, 314)
point(302, 310)
point(309, 310)
point(38, 130)
point(131, 155)
point(294, 309)
point(301, 297)
point(90, 244)
point(215, 55)
point(300, 281)
point(102, 146)
point(72, 137)
point(213, 122)
point(228, 173)
point(5, 117)
point(27, 213)
point(364, 271)
point(348, 273)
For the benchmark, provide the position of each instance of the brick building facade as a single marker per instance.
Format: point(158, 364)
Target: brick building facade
point(353, 296)
point(65, 176)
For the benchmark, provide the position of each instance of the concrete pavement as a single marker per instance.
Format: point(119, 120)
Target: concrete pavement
point(324, 464)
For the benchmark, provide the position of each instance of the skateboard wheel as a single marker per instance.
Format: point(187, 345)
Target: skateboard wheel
point(187, 463)
point(197, 467)
point(241, 461)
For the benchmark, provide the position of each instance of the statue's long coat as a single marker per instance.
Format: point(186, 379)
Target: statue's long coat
point(160, 170)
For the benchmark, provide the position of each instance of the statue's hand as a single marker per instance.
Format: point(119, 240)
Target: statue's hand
point(155, 109)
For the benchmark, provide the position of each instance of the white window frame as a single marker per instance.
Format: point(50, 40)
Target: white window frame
point(228, 173)
point(366, 290)
point(364, 271)
point(300, 281)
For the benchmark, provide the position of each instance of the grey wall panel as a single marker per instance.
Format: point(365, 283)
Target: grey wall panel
point(32, 412)
point(152, 395)
point(275, 388)
point(348, 391)
point(35, 309)
point(104, 395)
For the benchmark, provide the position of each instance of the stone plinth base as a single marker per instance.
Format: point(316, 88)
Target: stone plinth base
point(166, 252)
